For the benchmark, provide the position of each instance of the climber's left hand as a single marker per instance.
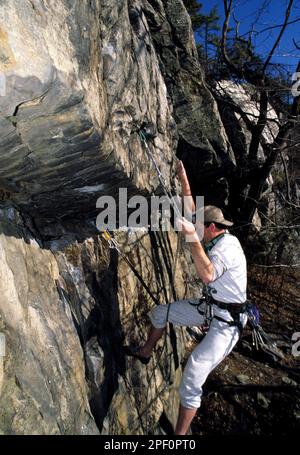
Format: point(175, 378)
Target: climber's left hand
point(187, 228)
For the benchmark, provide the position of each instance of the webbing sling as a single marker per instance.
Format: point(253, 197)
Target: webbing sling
point(209, 246)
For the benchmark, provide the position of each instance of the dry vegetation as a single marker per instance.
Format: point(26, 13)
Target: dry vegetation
point(251, 392)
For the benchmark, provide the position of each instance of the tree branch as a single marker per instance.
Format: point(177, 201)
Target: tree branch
point(296, 45)
point(277, 26)
point(277, 265)
point(286, 174)
point(287, 15)
point(229, 63)
point(260, 126)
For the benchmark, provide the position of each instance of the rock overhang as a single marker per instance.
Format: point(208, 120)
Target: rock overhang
point(69, 118)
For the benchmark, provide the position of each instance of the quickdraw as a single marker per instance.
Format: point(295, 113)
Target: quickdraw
point(260, 340)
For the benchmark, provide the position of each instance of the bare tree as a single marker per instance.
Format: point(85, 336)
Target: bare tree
point(255, 172)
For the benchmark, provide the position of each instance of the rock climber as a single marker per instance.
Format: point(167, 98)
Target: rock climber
point(221, 265)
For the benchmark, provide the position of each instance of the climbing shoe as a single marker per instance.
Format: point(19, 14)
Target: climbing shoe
point(131, 351)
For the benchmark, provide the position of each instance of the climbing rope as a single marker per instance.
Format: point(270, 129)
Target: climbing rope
point(113, 244)
point(159, 174)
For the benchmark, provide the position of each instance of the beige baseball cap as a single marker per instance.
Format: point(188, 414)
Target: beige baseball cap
point(215, 215)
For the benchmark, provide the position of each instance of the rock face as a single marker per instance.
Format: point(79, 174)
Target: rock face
point(239, 110)
point(43, 384)
point(81, 76)
point(202, 144)
point(66, 308)
point(85, 76)
point(238, 105)
point(77, 81)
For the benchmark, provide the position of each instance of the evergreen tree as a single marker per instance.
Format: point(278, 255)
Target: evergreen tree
point(193, 7)
point(209, 25)
point(242, 53)
point(205, 27)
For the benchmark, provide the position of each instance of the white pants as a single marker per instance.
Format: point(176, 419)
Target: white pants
point(216, 345)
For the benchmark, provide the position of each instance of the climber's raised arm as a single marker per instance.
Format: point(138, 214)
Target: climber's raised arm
point(186, 190)
point(203, 264)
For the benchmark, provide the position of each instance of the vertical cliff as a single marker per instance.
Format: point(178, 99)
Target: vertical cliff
point(78, 79)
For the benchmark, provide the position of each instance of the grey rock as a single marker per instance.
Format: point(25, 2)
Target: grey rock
point(43, 378)
point(243, 379)
point(69, 120)
point(263, 401)
point(289, 381)
point(64, 318)
point(98, 70)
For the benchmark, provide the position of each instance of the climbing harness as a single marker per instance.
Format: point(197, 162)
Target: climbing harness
point(260, 340)
point(235, 310)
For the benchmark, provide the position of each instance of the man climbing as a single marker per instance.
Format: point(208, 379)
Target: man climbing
point(221, 265)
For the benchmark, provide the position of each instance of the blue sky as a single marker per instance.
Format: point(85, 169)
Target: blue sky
point(246, 11)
